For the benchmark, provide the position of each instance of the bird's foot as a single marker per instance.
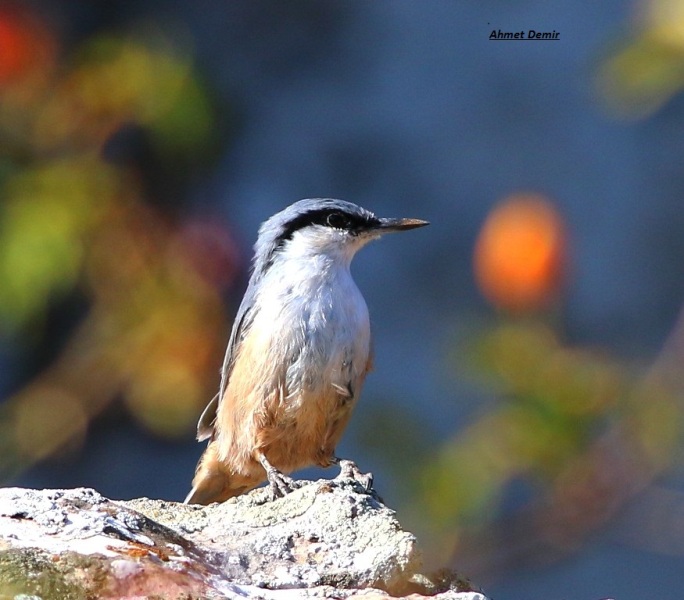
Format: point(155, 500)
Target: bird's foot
point(349, 470)
point(279, 483)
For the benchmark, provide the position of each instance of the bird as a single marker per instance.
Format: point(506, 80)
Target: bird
point(298, 354)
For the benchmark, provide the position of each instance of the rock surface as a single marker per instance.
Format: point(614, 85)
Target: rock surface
point(328, 539)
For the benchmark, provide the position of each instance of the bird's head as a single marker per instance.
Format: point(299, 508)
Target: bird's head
point(319, 226)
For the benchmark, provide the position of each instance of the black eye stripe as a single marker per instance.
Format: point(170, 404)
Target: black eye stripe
point(328, 217)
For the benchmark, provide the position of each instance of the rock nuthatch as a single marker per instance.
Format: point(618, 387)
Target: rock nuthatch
point(298, 353)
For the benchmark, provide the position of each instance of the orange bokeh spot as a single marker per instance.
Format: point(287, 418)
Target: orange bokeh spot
point(520, 253)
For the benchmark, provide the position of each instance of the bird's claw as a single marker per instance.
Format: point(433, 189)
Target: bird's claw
point(349, 470)
point(279, 483)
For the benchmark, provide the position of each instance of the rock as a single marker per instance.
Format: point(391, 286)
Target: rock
point(326, 539)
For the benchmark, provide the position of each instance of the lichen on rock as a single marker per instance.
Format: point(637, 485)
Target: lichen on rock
point(326, 539)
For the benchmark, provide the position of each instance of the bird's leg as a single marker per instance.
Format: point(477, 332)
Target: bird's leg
point(279, 483)
point(349, 470)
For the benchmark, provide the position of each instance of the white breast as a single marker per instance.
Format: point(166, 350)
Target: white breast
point(318, 323)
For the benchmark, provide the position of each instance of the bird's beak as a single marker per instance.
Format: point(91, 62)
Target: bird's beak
point(389, 225)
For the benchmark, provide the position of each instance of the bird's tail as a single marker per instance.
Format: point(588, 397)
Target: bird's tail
point(213, 482)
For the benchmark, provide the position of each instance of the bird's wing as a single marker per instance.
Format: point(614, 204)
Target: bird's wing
point(205, 425)
point(244, 317)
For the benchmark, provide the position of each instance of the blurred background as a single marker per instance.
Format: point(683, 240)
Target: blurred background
point(525, 413)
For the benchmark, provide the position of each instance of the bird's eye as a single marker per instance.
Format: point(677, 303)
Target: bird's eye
point(337, 220)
